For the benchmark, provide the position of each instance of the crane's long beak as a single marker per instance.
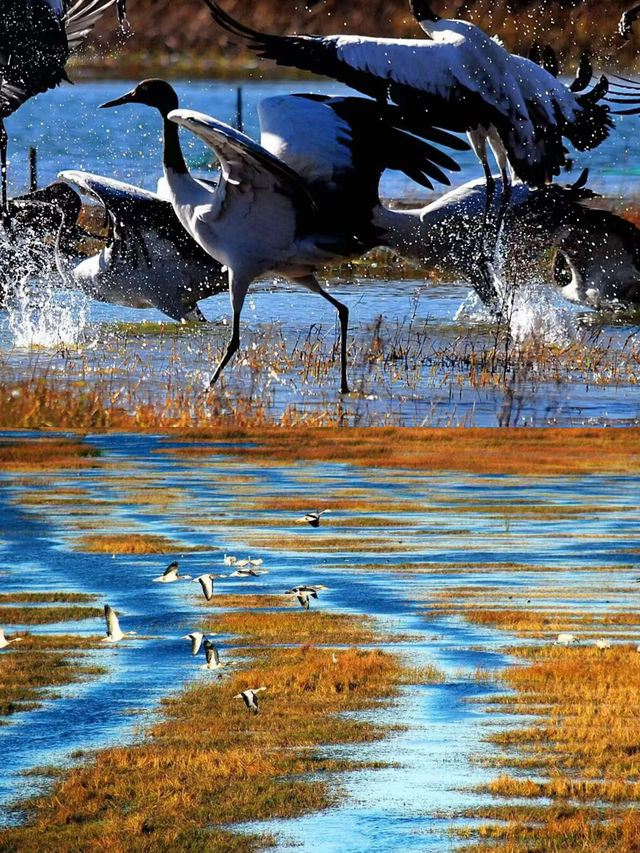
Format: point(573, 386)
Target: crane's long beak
point(127, 98)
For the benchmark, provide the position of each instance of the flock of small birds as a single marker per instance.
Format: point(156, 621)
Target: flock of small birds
point(243, 567)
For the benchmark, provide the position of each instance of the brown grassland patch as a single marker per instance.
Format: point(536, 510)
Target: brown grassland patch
point(151, 795)
point(476, 449)
point(522, 450)
point(37, 662)
point(295, 626)
point(38, 454)
point(36, 597)
point(132, 543)
point(578, 756)
point(45, 615)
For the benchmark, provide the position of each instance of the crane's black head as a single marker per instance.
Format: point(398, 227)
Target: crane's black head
point(154, 93)
point(422, 10)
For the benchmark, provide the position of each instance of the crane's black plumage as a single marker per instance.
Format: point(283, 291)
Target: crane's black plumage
point(36, 39)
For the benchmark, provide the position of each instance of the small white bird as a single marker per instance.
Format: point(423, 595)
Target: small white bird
point(249, 697)
point(303, 598)
point(311, 588)
point(206, 582)
point(247, 572)
point(170, 574)
point(255, 561)
point(565, 639)
point(602, 643)
point(114, 632)
point(4, 642)
point(229, 560)
point(196, 640)
point(312, 517)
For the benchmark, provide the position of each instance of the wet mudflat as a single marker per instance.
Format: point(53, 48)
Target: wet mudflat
point(565, 543)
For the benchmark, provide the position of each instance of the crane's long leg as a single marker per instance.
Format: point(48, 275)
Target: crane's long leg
point(311, 283)
point(238, 286)
point(4, 210)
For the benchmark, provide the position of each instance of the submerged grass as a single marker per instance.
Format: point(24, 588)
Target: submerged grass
point(151, 795)
point(37, 662)
point(577, 758)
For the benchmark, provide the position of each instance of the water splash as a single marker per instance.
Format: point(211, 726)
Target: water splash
point(40, 312)
point(534, 312)
point(538, 313)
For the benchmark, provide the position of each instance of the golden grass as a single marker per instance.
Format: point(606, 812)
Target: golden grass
point(178, 791)
point(247, 599)
point(45, 615)
point(582, 738)
point(34, 597)
point(478, 450)
point(297, 626)
point(37, 662)
point(37, 454)
point(131, 543)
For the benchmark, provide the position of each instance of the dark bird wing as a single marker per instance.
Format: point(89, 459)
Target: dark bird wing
point(35, 43)
point(626, 22)
point(211, 652)
point(146, 217)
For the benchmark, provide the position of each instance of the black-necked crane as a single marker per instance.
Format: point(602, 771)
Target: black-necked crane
point(196, 638)
point(246, 572)
point(464, 80)
point(170, 574)
point(250, 698)
point(311, 588)
point(5, 641)
point(594, 254)
point(304, 598)
point(114, 632)
point(36, 39)
point(149, 260)
point(263, 216)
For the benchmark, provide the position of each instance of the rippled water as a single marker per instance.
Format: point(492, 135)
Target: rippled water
point(420, 321)
point(406, 806)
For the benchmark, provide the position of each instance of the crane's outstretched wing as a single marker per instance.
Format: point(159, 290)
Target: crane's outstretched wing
point(36, 39)
point(241, 159)
point(141, 212)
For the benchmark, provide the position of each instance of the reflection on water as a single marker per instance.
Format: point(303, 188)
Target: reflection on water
point(409, 804)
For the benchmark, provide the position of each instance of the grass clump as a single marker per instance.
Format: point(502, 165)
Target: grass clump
point(45, 615)
point(131, 543)
point(38, 662)
point(37, 454)
point(151, 795)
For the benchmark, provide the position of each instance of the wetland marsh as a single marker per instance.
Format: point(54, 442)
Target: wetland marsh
point(481, 571)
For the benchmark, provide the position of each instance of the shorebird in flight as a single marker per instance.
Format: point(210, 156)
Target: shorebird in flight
point(250, 698)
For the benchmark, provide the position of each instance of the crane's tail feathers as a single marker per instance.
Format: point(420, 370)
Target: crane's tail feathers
point(593, 122)
point(584, 75)
point(232, 26)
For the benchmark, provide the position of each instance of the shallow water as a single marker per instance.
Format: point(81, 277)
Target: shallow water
point(430, 331)
point(401, 807)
